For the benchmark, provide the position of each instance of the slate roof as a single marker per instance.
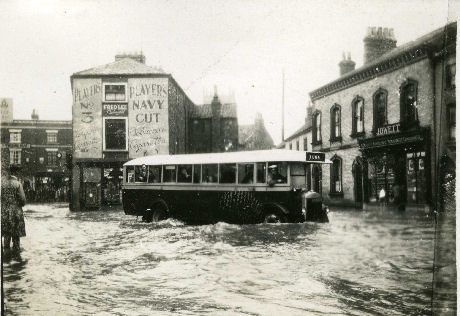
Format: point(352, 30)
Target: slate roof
point(303, 129)
point(125, 66)
point(228, 110)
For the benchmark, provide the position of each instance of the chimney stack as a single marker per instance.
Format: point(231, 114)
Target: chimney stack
point(34, 115)
point(378, 41)
point(346, 64)
point(137, 56)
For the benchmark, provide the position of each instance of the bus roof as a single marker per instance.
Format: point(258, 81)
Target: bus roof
point(231, 157)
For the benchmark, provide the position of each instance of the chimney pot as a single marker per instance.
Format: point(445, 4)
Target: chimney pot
point(380, 42)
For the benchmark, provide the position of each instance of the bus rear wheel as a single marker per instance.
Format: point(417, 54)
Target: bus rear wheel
point(155, 214)
point(274, 217)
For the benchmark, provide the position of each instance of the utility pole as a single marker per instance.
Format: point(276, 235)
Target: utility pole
point(282, 112)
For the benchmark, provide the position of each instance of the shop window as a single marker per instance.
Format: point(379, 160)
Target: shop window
point(246, 173)
point(15, 136)
point(450, 76)
point(209, 173)
point(115, 92)
point(357, 112)
point(185, 174)
point(227, 173)
point(451, 120)
point(380, 109)
point(154, 174)
point(305, 144)
point(51, 158)
point(335, 123)
point(336, 175)
point(15, 156)
point(261, 172)
point(115, 134)
point(51, 137)
point(408, 103)
point(316, 128)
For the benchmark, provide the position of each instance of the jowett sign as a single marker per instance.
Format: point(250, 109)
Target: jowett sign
point(388, 129)
point(391, 140)
point(115, 109)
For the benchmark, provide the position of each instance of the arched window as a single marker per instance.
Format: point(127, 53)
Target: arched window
point(357, 112)
point(408, 103)
point(380, 109)
point(316, 128)
point(336, 175)
point(336, 134)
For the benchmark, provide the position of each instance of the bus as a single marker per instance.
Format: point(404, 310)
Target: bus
point(245, 187)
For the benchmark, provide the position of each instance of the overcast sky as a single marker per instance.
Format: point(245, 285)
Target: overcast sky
point(237, 45)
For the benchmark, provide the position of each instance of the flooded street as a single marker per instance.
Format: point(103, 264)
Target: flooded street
point(106, 263)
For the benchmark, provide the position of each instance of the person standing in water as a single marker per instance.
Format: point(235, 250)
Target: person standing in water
point(13, 199)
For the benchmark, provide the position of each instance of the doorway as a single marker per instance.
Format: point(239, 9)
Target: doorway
point(357, 170)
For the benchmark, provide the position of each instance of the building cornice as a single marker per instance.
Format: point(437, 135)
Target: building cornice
point(371, 71)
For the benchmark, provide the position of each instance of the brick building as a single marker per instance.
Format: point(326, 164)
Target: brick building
point(213, 127)
point(41, 148)
point(126, 109)
point(254, 136)
point(388, 124)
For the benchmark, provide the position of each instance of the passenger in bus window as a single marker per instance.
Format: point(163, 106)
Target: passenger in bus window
point(154, 174)
point(141, 173)
point(185, 174)
point(274, 175)
point(245, 173)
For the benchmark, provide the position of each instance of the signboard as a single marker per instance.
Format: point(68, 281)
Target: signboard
point(315, 156)
point(148, 119)
point(115, 109)
point(390, 141)
point(6, 106)
point(87, 118)
point(388, 129)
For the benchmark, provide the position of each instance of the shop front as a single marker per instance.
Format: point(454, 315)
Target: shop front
point(396, 166)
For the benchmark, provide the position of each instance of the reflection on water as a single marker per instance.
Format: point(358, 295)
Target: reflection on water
point(109, 263)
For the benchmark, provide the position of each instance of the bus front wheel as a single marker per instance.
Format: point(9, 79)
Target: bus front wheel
point(274, 217)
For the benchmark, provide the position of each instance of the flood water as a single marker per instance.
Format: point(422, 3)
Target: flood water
point(106, 263)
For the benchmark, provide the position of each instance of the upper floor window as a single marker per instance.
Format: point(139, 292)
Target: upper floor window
point(51, 157)
point(408, 102)
point(335, 123)
point(115, 134)
point(451, 120)
point(316, 128)
point(380, 109)
point(336, 174)
point(51, 137)
point(290, 146)
point(15, 156)
point(305, 144)
point(357, 112)
point(297, 145)
point(450, 76)
point(15, 136)
point(114, 92)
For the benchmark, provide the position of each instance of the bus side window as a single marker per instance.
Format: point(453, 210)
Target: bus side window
point(227, 173)
point(140, 173)
point(261, 172)
point(277, 172)
point(154, 174)
point(209, 173)
point(185, 174)
point(169, 173)
point(130, 174)
point(246, 173)
point(196, 173)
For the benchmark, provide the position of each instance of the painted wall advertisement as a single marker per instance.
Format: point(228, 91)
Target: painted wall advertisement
point(6, 106)
point(87, 118)
point(148, 116)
